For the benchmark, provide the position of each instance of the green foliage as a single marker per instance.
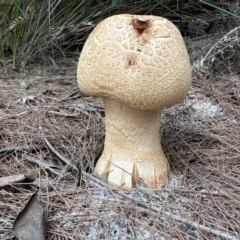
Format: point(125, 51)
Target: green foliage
point(219, 9)
point(114, 2)
point(27, 27)
point(4, 3)
point(33, 29)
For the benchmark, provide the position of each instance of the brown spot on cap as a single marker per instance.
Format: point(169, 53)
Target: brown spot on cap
point(144, 28)
point(132, 60)
point(141, 25)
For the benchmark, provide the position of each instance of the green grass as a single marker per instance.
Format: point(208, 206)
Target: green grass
point(34, 30)
point(28, 27)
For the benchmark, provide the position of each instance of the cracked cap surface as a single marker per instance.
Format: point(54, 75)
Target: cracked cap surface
point(139, 60)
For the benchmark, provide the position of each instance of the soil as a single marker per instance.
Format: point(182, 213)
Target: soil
point(48, 125)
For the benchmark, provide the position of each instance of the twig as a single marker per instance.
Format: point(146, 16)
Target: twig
point(13, 148)
point(14, 115)
point(63, 114)
point(30, 176)
point(195, 224)
point(43, 164)
point(219, 41)
point(223, 174)
point(59, 155)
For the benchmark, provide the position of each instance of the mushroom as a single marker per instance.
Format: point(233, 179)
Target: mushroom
point(139, 65)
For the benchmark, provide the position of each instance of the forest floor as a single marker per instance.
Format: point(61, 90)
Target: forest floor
point(50, 129)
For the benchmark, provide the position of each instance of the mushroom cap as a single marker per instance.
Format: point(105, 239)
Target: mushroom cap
point(138, 60)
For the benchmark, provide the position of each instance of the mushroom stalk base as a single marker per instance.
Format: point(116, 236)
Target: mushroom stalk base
point(132, 150)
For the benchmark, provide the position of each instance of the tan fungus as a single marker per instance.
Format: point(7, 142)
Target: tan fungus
point(140, 65)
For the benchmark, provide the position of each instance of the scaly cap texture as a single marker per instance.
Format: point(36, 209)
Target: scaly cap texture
point(139, 61)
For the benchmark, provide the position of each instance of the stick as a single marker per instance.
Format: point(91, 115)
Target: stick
point(29, 176)
point(59, 155)
point(179, 218)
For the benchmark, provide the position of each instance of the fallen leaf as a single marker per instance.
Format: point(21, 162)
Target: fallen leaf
point(30, 222)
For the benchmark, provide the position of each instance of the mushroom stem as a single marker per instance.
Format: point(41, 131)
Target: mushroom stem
point(132, 149)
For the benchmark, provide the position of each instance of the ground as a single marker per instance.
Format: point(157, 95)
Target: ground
point(48, 125)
